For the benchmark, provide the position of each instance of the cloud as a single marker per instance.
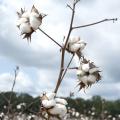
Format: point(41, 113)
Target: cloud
point(22, 81)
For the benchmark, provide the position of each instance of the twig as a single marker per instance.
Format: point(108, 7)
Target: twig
point(50, 37)
point(91, 24)
point(14, 82)
point(67, 67)
point(69, 7)
point(72, 68)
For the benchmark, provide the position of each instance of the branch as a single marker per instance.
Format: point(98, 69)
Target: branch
point(50, 37)
point(61, 74)
point(91, 24)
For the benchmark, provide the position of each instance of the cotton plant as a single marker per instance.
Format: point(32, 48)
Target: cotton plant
point(88, 74)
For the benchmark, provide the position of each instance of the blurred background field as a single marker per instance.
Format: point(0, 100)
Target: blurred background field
point(27, 107)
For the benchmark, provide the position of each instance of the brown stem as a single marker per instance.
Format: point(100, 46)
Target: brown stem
point(91, 24)
point(72, 68)
point(63, 50)
point(14, 82)
point(50, 37)
point(67, 67)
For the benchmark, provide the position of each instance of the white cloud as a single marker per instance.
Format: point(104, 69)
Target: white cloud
point(23, 82)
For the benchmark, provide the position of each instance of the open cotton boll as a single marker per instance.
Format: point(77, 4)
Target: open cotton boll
point(85, 67)
point(82, 45)
point(84, 79)
point(73, 113)
point(74, 40)
point(25, 28)
point(93, 70)
point(91, 79)
point(77, 114)
point(50, 95)
point(48, 103)
point(18, 107)
point(21, 21)
point(26, 14)
point(35, 21)
point(61, 101)
point(80, 73)
point(58, 109)
point(75, 47)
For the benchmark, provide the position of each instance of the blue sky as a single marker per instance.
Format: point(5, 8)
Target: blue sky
point(39, 61)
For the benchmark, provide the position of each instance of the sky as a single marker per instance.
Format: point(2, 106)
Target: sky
point(39, 61)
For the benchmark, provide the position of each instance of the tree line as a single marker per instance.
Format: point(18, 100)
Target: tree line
point(96, 104)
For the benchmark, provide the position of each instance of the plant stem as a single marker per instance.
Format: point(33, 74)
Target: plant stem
point(67, 67)
point(50, 37)
point(91, 24)
point(63, 50)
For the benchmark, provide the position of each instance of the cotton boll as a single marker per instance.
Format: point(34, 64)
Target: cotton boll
point(77, 114)
point(85, 67)
point(74, 40)
point(21, 21)
point(80, 73)
point(44, 97)
point(35, 21)
point(82, 46)
point(26, 14)
point(58, 109)
point(18, 107)
point(25, 28)
point(93, 70)
point(50, 95)
point(73, 113)
point(91, 79)
point(61, 101)
point(75, 47)
point(48, 103)
point(84, 80)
